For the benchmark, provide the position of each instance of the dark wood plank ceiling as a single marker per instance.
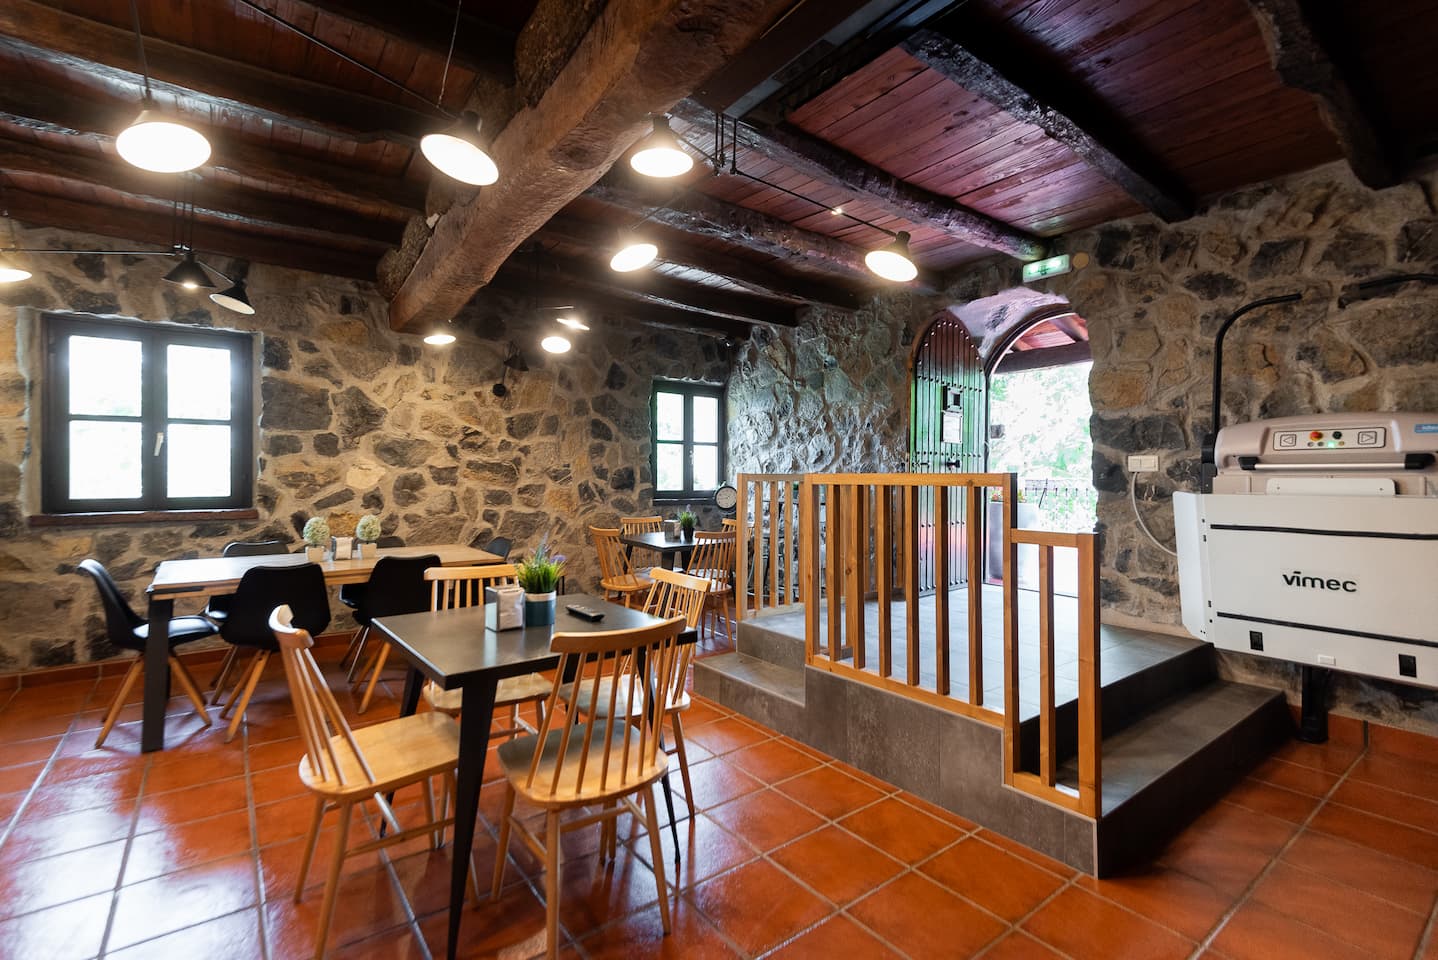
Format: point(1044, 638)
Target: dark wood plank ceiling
point(315, 161)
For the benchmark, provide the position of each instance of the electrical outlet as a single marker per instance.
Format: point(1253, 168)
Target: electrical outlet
point(1143, 463)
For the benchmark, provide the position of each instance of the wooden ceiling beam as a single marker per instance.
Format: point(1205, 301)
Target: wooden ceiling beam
point(28, 106)
point(207, 193)
point(481, 47)
point(704, 216)
point(1057, 111)
point(1303, 62)
point(637, 58)
point(154, 227)
point(791, 147)
point(108, 53)
point(762, 279)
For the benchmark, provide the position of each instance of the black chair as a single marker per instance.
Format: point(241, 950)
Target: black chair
point(396, 585)
point(126, 630)
point(499, 546)
point(352, 595)
point(219, 607)
point(261, 590)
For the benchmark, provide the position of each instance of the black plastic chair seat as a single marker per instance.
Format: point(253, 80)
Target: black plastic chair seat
point(182, 630)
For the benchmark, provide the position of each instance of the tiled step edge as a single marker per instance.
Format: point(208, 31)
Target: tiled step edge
point(763, 691)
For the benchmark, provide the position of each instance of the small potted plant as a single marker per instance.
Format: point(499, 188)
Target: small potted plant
point(686, 523)
point(367, 532)
point(317, 537)
point(539, 576)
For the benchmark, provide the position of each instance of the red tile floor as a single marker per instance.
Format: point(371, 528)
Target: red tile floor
point(1326, 851)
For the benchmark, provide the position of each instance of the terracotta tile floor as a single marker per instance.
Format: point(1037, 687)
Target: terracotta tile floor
point(1326, 851)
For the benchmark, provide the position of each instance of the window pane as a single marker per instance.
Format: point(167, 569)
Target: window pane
point(199, 382)
point(706, 467)
point(199, 460)
point(670, 467)
point(104, 460)
point(104, 377)
point(669, 416)
point(706, 419)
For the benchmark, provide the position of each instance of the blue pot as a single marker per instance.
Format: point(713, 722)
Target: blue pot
point(539, 609)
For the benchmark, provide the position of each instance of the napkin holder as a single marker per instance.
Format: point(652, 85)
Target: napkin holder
point(504, 607)
point(671, 531)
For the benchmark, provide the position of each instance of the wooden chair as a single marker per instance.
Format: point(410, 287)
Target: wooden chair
point(596, 764)
point(713, 559)
point(647, 558)
point(729, 523)
point(345, 767)
point(615, 575)
point(454, 587)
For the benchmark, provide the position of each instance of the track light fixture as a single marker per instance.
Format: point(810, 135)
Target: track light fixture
point(893, 262)
point(659, 155)
point(458, 151)
point(234, 298)
point(633, 253)
point(190, 275)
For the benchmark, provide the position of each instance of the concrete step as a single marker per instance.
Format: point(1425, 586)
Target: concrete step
point(1174, 762)
point(763, 691)
point(775, 637)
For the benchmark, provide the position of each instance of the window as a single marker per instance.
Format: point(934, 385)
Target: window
point(688, 440)
point(144, 416)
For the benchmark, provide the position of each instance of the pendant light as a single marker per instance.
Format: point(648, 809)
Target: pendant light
point(190, 275)
point(155, 142)
point(555, 344)
point(633, 253)
point(573, 323)
point(893, 261)
point(440, 336)
point(234, 298)
point(659, 155)
point(457, 151)
point(12, 273)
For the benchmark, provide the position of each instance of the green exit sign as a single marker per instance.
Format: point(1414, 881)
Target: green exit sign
point(1051, 267)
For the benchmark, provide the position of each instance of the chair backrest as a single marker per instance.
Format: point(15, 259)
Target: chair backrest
point(641, 524)
point(729, 523)
point(613, 562)
point(321, 721)
point(454, 587)
point(255, 548)
point(676, 595)
point(396, 585)
point(120, 620)
point(713, 558)
point(301, 587)
point(629, 754)
point(391, 541)
point(499, 546)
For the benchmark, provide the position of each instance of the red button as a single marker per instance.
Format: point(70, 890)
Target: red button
point(1316, 435)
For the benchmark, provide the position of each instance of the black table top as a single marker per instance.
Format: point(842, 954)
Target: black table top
point(656, 541)
point(453, 646)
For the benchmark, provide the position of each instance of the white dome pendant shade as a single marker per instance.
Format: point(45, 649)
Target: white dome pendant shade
point(659, 155)
point(632, 254)
point(457, 151)
point(555, 344)
point(10, 272)
point(893, 261)
point(160, 144)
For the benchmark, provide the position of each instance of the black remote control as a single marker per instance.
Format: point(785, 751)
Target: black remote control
point(585, 613)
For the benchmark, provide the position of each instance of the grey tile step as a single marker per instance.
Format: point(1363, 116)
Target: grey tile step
point(763, 691)
point(759, 638)
point(783, 682)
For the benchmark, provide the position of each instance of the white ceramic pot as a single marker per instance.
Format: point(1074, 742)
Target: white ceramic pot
point(315, 554)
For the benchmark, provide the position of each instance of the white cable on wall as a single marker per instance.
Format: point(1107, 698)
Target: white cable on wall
point(1133, 501)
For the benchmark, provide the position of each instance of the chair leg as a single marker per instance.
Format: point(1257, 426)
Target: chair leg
point(429, 812)
point(118, 703)
point(327, 909)
point(656, 849)
point(259, 668)
point(311, 840)
point(355, 643)
point(554, 858)
point(683, 761)
point(238, 687)
point(374, 677)
point(501, 852)
point(359, 642)
point(187, 684)
point(217, 682)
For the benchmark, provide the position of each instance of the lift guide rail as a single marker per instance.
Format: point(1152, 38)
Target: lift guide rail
point(1319, 544)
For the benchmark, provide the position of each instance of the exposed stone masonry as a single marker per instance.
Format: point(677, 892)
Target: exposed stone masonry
point(351, 418)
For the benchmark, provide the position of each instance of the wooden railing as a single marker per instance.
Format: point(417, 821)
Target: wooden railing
point(863, 538)
point(767, 563)
point(1088, 799)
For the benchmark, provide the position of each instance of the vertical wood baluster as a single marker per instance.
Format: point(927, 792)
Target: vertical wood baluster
point(776, 516)
point(911, 584)
point(1048, 719)
point(884, 572)
point(757, 560)
point(741, 550)
point(973, 507)
point(941, 589)
point(1090, 719)
point(809, 562)
point(1009, 514)
point(834, 564)
point(857, 497)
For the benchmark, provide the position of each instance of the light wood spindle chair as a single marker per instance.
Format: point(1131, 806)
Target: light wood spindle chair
point(455, 587)
point(600, 764)
point(615, 575)
point(344, 767)
point(647, 558)
point(713, 559)
point(729, 523)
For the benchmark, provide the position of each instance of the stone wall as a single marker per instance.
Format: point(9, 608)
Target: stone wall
point(352, 418)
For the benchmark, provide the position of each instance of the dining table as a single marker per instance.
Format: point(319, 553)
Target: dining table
point(668, 550)
point(456, 650)
point(204, 577)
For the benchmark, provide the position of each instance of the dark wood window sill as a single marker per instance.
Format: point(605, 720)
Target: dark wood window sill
point(140, 516)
